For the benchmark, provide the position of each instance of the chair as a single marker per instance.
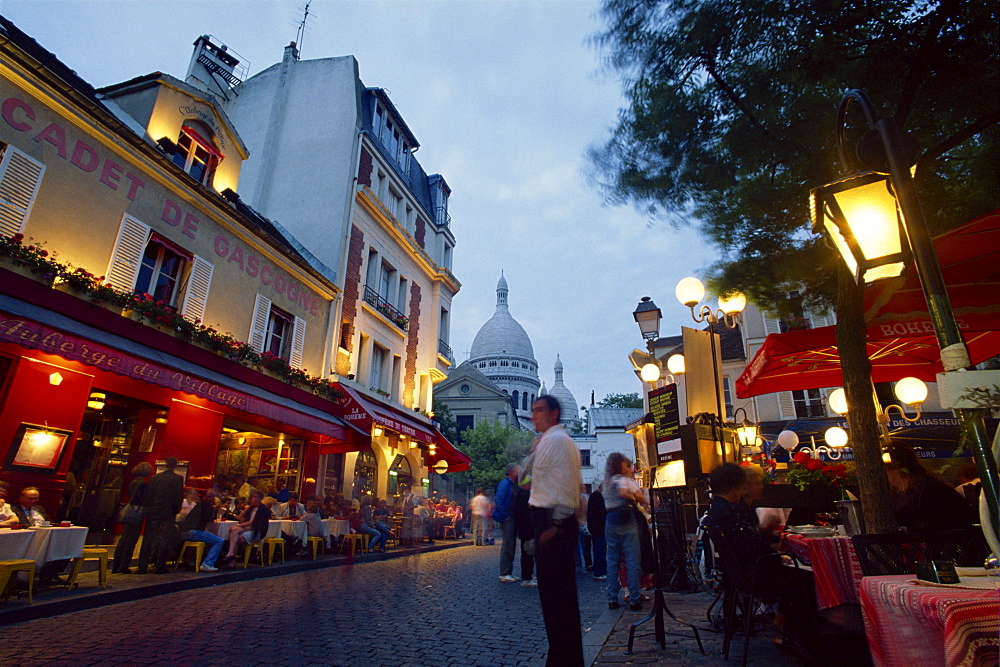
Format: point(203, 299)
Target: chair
point(450, 528)
point(354, 539)
point(9, 567)
point(199, 554)
point(248, 550)
point(740, 588)
point(272, 543)
point(899, 553)
point(315, 544)
point(99, 554)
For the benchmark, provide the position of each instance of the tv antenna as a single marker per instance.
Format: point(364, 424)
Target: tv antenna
point(300, 34)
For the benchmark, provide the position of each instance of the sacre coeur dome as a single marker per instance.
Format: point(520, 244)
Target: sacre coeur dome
point(502, 335)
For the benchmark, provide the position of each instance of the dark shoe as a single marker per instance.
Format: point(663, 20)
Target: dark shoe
point(635, 606)
point(613, 605)
point(162, 570)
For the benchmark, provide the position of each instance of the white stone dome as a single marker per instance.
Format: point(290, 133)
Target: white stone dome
point(502, 335)
point(559, 391)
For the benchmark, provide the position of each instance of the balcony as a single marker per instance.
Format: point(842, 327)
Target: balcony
point(445, 351)
point(387, 309)
point(441, 217)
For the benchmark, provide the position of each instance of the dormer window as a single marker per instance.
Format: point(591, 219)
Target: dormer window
point(196, 154)
point(392, 140)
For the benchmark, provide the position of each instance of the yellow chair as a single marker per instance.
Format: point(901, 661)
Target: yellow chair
point(315, 543)
point(90, 553)
point(249, 549)
point(273, 543)
point(9, 567)
point(355, 540)
point(199, 554)
point(450, 528)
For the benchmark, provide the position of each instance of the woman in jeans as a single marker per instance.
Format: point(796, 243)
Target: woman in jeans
point(621, 532)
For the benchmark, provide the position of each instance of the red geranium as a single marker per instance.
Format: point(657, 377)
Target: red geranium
point(801, 458)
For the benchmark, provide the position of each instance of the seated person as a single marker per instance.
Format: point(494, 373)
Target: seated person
point(280, 493)
point(921, 501)
point(768, 520)
point(7, 516)
point(313, 516)
point(422, 520)
point(367, 527)
point(729, 513)
point(252, 526)
point(232, 511)
point(30, 514)
point(329, 508)
point(381, 515)
point(194, 523)
point(292, 509)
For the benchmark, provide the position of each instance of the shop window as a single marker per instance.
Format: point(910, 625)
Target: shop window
point(365, 475)
point(333, 471)
point(277, 332)
point(400, 476)
point(20, 178)
point(261, 458)
point(147, 263)
point(196, 154)
point(585, 457)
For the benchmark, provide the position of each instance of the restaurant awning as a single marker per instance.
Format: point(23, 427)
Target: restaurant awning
point(362, 413)
point(900, 335)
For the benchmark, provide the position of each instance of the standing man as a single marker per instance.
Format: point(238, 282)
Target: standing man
point(503, 513)
point(596, 514)
point(479, 507)
point(163, 501)
point(555, 500)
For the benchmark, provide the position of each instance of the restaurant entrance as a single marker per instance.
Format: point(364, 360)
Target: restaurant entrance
point(365, 475)
point(114, 428)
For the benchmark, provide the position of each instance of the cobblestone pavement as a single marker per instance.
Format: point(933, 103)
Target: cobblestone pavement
point(439, 608)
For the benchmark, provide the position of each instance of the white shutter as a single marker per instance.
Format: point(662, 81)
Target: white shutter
point(786, 405)
point(258, 327)
point(771, 324)
point(298, 343)
point(127, 256)
point(819, 320)
point(196, 295)
point(20, 177)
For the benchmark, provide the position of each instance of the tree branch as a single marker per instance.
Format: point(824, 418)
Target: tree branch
point(922, 61)
point(956, 139)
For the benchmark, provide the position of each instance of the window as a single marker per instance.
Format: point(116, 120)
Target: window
point(20, 178)
point(159, 273)
point(464, 422)
point(585, 457)
point(808, 403)
point(727, 394)
point(378, 365)
point(515, 396)
point(278, 336)
point(401, 295)
point(465, 389)
point(277, 332)
point(196, 154)
point(524, 401)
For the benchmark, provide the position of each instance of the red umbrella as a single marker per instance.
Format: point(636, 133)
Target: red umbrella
point(901, 339)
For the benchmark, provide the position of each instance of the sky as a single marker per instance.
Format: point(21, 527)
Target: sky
point(504, 96)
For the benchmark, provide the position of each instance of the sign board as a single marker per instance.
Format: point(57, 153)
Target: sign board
point(703, 376)
point(665, 410)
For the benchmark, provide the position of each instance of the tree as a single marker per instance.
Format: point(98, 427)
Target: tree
point(445, 420)
point(492, 446)
point(730, 120)
point(630, 400)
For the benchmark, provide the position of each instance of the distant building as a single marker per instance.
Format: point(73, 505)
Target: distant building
point(605, 433)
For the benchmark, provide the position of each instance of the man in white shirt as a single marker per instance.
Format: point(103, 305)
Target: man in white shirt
point(555, 504)
point(479, 507)
point(292, 509)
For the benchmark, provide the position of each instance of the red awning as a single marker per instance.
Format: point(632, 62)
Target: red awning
point(362, 413)
point(901, 340)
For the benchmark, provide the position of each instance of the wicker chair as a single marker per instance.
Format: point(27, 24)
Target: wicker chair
point(899, 553)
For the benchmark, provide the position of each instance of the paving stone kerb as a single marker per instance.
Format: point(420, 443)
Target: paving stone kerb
point(443, 607)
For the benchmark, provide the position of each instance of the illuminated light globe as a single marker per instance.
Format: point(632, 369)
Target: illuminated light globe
point(733, 304)
point(788, 440)
point(441, 467)
point(650, 373)
point(838, 401)
point(911, 391)
point(675, 364)
point(835, 437)
point(690, 292)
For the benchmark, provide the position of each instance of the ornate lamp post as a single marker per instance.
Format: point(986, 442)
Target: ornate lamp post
point(874, 218)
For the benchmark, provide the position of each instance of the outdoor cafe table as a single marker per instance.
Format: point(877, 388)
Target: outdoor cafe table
point(334, 528)
point(275, 528)
point(14, 544)
point(910, 623)
point(836, 568)
point(56, 543)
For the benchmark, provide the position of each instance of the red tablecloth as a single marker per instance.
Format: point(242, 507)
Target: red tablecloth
point(836, 569)
point(913, 625)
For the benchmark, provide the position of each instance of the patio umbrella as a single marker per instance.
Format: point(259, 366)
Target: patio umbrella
point(901, 340)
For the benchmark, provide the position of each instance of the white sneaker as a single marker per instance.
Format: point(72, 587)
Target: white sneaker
point(507, 578)
point(208, 568)
point(530, 582)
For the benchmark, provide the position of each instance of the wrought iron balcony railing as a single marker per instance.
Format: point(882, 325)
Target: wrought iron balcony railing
point(386, 308)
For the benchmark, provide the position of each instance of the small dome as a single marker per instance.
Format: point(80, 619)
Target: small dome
point(567, 402)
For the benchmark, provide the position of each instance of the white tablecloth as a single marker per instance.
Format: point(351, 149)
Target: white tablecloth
point(335, 528)
point(56, 543)
point(15, 544)
point(274, 528)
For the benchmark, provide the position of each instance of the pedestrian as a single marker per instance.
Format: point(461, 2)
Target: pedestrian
point(133, 527)
point(554, 501)
point(596, 515)
point(525, 533)
point(584, 546)
point(479, 508)
point(621, 529)
point(163, 501)
point(503, 513)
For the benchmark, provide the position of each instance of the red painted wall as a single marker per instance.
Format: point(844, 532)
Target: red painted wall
point(192, 434)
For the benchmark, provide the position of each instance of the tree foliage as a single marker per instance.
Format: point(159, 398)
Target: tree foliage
point(492, 446)
point(630, 400)
point(445, 420)
point(731, 109)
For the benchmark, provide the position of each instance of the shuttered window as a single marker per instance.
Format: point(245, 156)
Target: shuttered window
point(258, 327)
point(127, 256)
point(196, 296)
point(786, 405)
point(771, 324)
point(298, 343)
point(20, 178)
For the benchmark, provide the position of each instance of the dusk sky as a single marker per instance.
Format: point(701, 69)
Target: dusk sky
point(504, 97)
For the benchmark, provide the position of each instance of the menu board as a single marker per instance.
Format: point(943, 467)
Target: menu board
point(665, 409)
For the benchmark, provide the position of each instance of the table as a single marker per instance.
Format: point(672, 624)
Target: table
point(56, 543)
point(914, 624)
point(334, 528)
point(835, 564)
point(14, 544)
point(275, 528)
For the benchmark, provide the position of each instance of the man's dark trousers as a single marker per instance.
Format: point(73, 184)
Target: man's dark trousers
point(555, 544)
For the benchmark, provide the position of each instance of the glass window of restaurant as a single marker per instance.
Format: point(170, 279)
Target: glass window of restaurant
point(332, 473)
point(365, 475)
point(400, 478)
point(260, 456)
point(114, 428)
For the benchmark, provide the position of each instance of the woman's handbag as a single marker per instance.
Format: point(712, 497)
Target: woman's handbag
point(131, 514)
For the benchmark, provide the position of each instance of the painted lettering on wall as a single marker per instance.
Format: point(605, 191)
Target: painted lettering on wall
point(20, 115)
point(268, 274)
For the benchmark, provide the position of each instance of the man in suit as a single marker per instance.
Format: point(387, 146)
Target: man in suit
point(163, 500)
point(28, 511)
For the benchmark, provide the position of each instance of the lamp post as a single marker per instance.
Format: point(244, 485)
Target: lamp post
point(874, 218)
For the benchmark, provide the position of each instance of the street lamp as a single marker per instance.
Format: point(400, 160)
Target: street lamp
point(648, 316)
point(910, 391)
point(690, 292)
point(862, 212)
